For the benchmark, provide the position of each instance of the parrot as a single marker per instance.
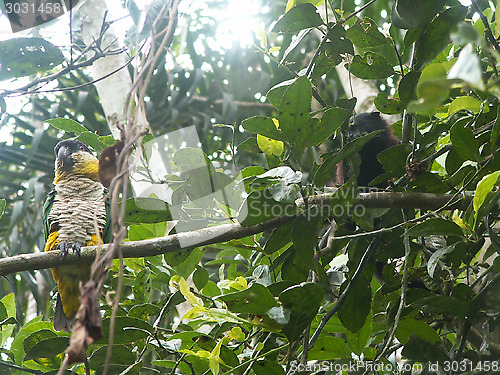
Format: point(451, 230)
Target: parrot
point(68, 222)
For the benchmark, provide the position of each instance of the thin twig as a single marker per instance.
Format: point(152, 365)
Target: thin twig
point(489, 34)
point(402, 301)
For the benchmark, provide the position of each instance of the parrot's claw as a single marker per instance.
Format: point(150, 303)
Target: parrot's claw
point(64, 247)
point(77, 248)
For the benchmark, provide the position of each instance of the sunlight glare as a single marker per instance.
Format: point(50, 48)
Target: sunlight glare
point(238, 23)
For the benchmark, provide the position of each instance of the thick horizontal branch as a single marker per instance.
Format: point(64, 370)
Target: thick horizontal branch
point(221, 233)
point(136, 249)
point(424, 201)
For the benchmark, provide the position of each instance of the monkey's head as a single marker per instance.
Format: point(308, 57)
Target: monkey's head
point(365, 123)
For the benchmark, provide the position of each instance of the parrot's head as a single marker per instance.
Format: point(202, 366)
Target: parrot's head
point(74, 158)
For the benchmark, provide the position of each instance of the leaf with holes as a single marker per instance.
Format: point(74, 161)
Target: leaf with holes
point(371, 66)
point(21, 57)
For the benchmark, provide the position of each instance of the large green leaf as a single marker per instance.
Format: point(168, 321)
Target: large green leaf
point(304, 234)
point(293, 112)
point(260, 206)
point(364, 33)
point(436, 37)
point(22, 57)
point(264, 126)
point(328, 348)
point(410, 326)
point(371, 66)
point(255, 300)
point(408, 14)
point(303, 301)
point(331, 120)
point(67, 125)
point(436, 226)
point(357, 305)
point(464, 142)
point(302, 16)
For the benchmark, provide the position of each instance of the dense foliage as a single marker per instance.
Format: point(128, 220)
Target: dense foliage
point(302, 295)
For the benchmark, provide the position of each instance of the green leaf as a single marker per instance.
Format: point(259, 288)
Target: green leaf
point(270, 146)
point(393, 159)
point(293, 268)
point(260, 206)
point(327, 348)
point(302, 16)
point(276, 92)
point(364, 33)
point(293, 111)
point(358, 340)
point(303, 301)
point(495, 131)
point(304, 235)
point(92, 139)
point(146, 210)
point(127, 330)
point(327, 169)
point(357, 305)
point(444, 305)
point(408, 87)
point(436, 256)
point(3, 202)
point(38, 336)
point(420, 350)
point(291, 3)
point(67, 125)
point(415, 13)
point(34, 325)
point(468, 103)
point(409, 326)
point(142, 286)
point(265, 367)
point(279, 238)
point(332, 52)
point(436, 36)
point(48, 348)
point(21, 57)
point(436, 226)
point(200, 277)
point(264, 126)
point(388, 106)
point(255, 300)
point(484, 187)
point(121, 354)
point(371, 66)
point(464, 141)
point(331, 120)
point(431, 94)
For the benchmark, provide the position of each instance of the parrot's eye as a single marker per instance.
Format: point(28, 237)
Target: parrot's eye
point(82, 148)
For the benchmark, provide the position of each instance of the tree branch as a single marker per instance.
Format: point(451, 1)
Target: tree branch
point(221, 233)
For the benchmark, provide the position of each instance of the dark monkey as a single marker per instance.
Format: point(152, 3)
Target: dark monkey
point(370, 167)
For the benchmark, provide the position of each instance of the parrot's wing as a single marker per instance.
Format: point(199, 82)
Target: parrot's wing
point(47, 206)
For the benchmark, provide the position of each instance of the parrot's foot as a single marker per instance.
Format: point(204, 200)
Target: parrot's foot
point(64, 247)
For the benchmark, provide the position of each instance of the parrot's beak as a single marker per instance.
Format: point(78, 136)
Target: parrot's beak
point(63, 156)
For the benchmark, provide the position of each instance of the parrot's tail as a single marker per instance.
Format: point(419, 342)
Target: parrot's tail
point(61, 321)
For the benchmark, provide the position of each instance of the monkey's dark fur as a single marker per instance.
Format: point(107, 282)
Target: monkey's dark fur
point(370, 167)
